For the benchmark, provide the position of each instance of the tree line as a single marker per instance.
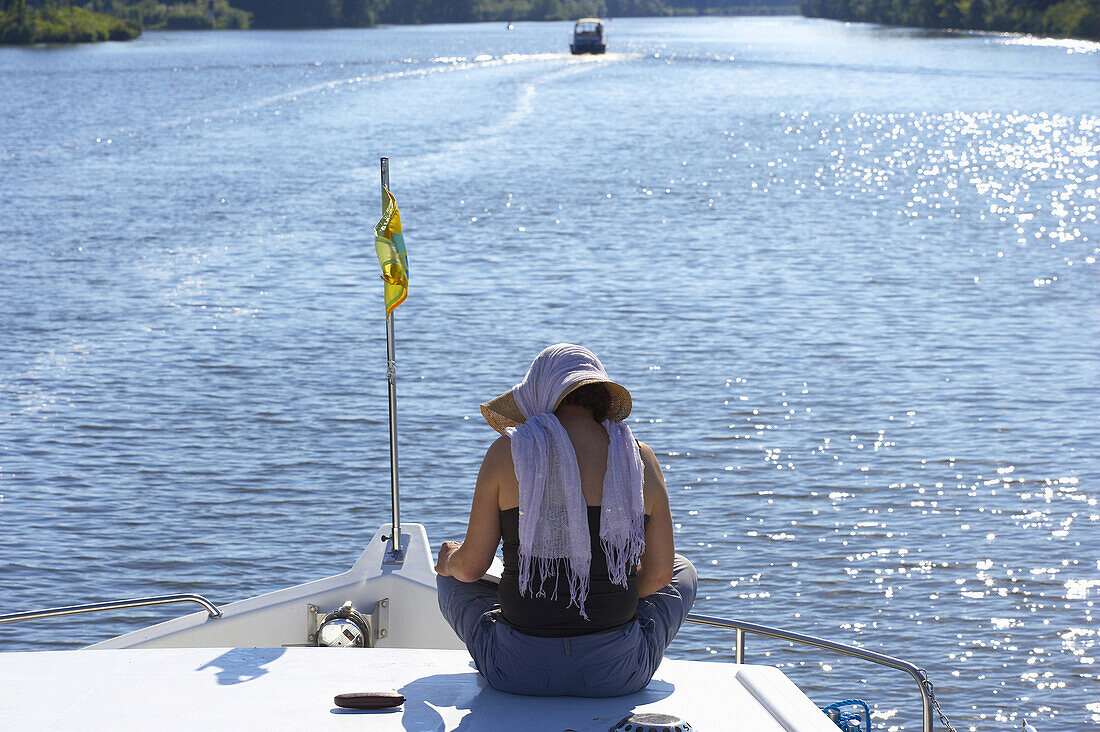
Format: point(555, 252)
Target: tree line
point(196, 14)
point(173, 14)
point(1062, 18)
point(59, 21)
point(81, 21)
point(325, 13)
point(28, 21)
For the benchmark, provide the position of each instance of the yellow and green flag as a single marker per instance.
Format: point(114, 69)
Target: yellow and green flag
point(389, 244)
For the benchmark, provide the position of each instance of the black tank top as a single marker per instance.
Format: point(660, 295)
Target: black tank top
point(609, 606)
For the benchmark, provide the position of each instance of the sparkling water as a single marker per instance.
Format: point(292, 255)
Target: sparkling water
point(847, 272)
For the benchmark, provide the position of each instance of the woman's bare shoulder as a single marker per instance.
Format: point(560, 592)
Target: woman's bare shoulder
point(653, 479)
point(649, 458)
point(498, 469)
point(498, 460)
point(500, 450)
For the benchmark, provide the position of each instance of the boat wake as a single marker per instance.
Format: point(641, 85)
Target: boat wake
point(522, 107)
point(438, 65)
point(411, 68)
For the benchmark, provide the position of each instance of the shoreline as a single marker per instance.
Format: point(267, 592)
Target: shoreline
point(1074, 20)
point(13, 28)
point(1039, 38)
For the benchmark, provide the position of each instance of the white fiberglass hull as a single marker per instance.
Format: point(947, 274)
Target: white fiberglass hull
point(255, 667)
point(280, 618)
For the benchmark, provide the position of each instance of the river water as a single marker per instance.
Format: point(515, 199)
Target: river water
point(848, 273)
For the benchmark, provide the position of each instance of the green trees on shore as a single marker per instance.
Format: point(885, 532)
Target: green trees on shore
point(68, 21)
point(36, 21)
point(323, 13)
point(82, 21)
point(311, 13)
point(174, 14)
point(60, 22)
point(1061, 18)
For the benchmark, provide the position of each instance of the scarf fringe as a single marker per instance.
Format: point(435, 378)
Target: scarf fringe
point(552, 568)
point(621, 556)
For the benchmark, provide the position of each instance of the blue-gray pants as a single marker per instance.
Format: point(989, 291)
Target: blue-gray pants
point(601, 664)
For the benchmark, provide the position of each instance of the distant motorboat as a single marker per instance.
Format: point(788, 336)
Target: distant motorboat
point(588, 37)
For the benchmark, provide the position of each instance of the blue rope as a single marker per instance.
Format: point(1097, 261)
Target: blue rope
point(862, 715)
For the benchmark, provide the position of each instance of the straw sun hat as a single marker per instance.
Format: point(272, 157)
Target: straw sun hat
point(503, 412)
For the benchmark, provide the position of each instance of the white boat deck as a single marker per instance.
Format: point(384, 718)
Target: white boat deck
point(255, 668)
point(293, 689)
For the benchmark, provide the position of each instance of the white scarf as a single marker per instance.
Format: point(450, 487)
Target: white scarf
point(553, 515)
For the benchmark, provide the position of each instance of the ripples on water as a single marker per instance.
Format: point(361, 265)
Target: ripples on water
point(848, 273)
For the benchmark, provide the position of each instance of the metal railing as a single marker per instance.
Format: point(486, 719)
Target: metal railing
point(742, 627)
point(94, 607)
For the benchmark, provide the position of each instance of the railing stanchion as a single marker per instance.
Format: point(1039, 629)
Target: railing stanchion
point(742, 627)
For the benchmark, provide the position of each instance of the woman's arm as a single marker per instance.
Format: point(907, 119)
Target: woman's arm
point(656, 566)
point(468, 560)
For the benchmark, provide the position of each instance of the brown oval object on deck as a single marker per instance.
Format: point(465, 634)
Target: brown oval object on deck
point(369, 700)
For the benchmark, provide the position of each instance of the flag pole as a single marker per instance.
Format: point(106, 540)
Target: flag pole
point(394, 553)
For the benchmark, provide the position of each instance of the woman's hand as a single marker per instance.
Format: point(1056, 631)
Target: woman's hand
point(446, 549)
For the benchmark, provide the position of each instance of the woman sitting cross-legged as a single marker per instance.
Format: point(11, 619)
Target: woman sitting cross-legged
point(592, 592)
